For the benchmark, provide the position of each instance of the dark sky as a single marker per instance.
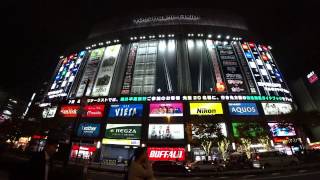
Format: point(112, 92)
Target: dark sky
point(36, 33)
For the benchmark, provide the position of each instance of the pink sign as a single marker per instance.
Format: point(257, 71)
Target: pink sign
point(166, 109)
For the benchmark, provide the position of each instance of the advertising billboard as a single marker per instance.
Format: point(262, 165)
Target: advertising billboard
point(125, 110)
point(312, 77)
point(106, 71)
point(69, 110)
point(66, 74)
point(90, 72)
point(124, 142)
point(88, 130)
point(243, 109)
point(127, 81)
point(166, 132)
point(278, 129)
point(246, 129)
point(205, 108)
point(96, 110)
point(231, 69)
point(49, 112)
point(166, 109)
point(205, 130)
point(123, 131)
point(166, 153)
point(276, 108)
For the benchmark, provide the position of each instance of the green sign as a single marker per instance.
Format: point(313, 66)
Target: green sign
point(123, 131)
point(246, 129)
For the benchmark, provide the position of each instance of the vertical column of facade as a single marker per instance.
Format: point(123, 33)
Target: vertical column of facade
point(90, 72)
point(220, 84)
point(106, 71)
point(247, 70)
point(254, 67)
point(127, 81)
point(231, 69)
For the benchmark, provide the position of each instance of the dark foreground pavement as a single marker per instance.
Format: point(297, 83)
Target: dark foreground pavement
point(293, 175)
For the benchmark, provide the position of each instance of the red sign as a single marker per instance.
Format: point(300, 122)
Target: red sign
point(166, 154)
point(245, 47)
point(69, 110)
point(280, 139)
point(84, 148)
point(264, 57)
point(312, 77)
point(93, 110)
point(252, 45)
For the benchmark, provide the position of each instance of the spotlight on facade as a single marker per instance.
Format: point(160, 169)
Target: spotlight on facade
point(209, 36)
point(228, 37)
point(219, 36)
point(234, 146)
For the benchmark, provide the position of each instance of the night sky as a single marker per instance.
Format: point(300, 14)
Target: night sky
point(35, 34)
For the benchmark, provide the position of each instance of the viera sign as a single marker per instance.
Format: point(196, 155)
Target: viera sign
point(167, 18)
point(123, 131)
point(205, 108)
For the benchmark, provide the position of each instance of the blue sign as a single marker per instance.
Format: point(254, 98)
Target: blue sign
point(248, 55)
point(243, 109)
point(88, 130)
point(126, 110)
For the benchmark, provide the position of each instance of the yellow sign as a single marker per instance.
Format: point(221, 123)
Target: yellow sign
point(128, 142)
point(205, 108)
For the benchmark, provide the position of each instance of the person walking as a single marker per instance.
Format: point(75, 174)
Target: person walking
point(139, 166)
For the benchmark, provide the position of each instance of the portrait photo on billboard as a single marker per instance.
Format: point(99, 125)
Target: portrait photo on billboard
point(125, 110)
point(166, 109)
point(123, 131)
point(88, 130)
point(282, 129)
point(276, 108)
point(166, 132)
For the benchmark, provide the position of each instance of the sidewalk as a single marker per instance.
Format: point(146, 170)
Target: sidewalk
point(115, 169)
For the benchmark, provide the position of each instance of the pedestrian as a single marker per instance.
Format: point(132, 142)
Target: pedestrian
point(40, 165)
point(139, 166)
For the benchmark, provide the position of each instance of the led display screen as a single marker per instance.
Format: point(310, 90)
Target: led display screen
point(166, 153)
point(205, 108)
point(278, 129)
point(125, 110)
point(123, 131)
point(276, 108)
point(243, 109)
point(166, 132)
point(246, 129)
point(166, 109)
point(203, 130)
point(88, 130)
point(106, 71)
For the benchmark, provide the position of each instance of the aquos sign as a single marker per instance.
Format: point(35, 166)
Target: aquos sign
point(166, 154)
point(243, 109)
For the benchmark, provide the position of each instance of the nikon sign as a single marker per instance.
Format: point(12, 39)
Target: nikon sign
point(123, 131)
point(205, 108)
